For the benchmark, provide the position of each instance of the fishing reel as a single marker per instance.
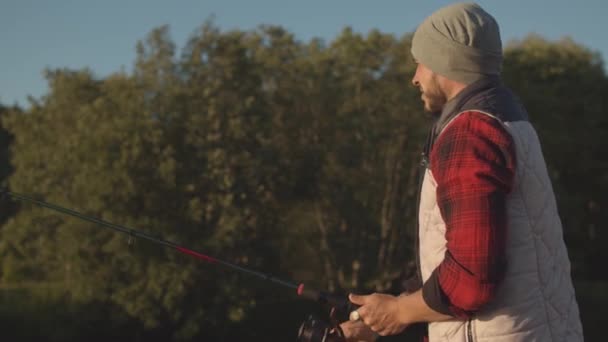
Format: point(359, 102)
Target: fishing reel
point(315, 329)
point(327, 329)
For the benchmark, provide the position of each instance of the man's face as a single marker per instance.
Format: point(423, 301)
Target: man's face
point(432, 95)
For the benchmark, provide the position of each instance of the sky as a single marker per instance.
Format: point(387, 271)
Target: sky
point(102, 34)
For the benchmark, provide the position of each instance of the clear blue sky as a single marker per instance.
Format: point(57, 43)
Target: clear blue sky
point(102, 34)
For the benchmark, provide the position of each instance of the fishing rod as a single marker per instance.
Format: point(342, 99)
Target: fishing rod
point(312, 330)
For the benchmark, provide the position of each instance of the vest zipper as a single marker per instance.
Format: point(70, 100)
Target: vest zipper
point(423, 166)
point(469, 331)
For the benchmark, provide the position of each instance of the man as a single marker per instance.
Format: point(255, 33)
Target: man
point(492, 259)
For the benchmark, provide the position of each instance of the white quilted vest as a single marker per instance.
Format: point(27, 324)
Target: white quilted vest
point(536, 300)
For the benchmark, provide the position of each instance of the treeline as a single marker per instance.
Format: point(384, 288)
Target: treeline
point(298, 159)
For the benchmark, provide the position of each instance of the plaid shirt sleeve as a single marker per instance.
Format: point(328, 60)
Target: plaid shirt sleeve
point(473, 162)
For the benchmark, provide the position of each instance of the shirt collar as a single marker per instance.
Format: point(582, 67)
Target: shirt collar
point(455, 104)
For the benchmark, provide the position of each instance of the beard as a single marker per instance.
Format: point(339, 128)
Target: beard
point(433, 103)
point(433, 97)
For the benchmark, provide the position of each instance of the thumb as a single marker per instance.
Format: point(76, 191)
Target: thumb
point(356, 299)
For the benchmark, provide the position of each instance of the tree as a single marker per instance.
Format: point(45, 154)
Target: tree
point(5, 166)
point(8, 207)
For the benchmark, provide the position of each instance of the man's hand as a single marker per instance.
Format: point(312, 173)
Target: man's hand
point(382, 313)
point(357, 332)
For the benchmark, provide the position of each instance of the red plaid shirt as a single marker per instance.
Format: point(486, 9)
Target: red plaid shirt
point(473, 162)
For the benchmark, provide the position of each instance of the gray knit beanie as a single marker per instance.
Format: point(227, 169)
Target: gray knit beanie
point(459, 41)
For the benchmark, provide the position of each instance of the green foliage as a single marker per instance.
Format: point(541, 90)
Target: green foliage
point(41, 312)
point(5, 140)
point(294, 158)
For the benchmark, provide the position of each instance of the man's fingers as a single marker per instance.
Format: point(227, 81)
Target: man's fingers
point(383, 333)
point(356, 299)
point(375, 328)
point(368, 321)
